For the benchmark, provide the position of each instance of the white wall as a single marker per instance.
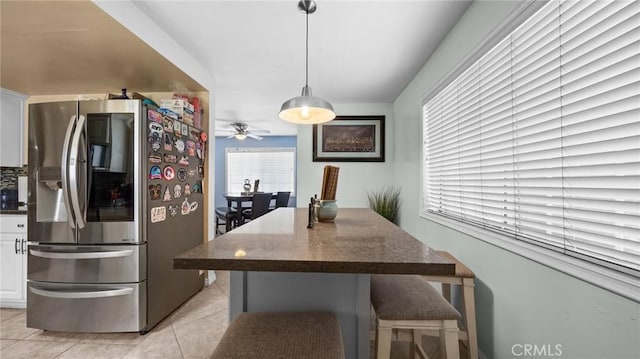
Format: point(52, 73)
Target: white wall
point(518, 301)
point(355, 177)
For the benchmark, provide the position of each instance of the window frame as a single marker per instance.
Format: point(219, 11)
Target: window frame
point(624, 284)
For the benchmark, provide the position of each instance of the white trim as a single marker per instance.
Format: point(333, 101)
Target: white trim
point(619, 283)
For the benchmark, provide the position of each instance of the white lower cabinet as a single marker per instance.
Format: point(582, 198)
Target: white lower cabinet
point(13, 261)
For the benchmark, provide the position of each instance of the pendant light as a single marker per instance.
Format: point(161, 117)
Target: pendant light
point(306, 108)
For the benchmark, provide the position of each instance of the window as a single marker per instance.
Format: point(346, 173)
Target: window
point(274, 167)
point(539, 140)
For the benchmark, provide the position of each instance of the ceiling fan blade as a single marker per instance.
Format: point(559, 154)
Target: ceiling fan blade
point(255, 137)
point(231, 136)
point(230, 131)
point(264, 132)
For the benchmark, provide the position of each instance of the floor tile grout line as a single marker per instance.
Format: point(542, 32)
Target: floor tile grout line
point(176, 338)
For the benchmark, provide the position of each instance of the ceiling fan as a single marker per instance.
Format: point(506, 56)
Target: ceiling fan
point(240, 130)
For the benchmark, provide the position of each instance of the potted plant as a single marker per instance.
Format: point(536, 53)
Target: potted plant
point(386, 202)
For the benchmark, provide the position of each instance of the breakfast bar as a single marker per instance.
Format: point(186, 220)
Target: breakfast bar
point(278, 264)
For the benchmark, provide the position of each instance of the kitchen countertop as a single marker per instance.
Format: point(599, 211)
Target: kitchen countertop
point(359, 241)
point(13, 211)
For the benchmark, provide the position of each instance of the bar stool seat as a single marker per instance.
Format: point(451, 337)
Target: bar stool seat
point(410, 302)
point(310, 335)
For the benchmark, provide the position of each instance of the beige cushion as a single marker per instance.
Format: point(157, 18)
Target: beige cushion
point(282, 335)
point(408, 297)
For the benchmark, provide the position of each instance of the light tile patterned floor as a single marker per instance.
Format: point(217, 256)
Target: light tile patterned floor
point(191, 332)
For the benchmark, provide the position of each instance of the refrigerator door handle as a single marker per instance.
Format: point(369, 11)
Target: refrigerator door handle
point(82, 255)
point(74, 163)
point(81, 294)
point(65, 168)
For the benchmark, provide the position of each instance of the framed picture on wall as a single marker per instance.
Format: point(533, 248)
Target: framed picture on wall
point(349, 139)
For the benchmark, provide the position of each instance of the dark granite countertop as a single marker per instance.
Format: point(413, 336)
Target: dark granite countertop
point(13, 211)
point(359, 241)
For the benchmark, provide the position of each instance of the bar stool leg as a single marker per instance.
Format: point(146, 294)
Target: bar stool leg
point(449, 340)
point(470, 316)
point(383, 341)
point(416, 339)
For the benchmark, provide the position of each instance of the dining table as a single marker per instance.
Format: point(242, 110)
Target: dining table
point(238, 198)
point(279, 262)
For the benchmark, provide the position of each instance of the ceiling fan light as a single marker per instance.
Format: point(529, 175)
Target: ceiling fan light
point(307, 109)
point(240, 136)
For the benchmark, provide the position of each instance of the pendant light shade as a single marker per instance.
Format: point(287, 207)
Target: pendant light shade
point(306, 108)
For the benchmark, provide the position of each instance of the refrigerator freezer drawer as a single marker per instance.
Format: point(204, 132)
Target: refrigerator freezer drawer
point(87, 264)
point(87, 308)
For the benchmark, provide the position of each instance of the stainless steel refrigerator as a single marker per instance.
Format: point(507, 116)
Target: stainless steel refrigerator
point(115, 192)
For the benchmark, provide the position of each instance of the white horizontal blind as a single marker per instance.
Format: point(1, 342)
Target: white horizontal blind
point(274, 167)
point(540, 138)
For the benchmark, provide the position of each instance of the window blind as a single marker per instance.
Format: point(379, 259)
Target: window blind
point(274, 167)
point(539, 139)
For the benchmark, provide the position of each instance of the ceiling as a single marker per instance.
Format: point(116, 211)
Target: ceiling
point(359, 51)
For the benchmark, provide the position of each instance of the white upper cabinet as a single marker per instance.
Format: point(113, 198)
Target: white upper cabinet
point(11, 128)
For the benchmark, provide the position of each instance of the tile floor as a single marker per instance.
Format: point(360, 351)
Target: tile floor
point(191, 332)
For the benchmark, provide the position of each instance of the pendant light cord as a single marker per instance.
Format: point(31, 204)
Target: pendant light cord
point(306, 78)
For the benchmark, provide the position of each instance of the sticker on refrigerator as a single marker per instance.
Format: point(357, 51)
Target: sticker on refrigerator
point(168, 142)
point(187, 189)
point(185, 130)
point(158, 214)
point(177, 191)
point(191, 148)
point(155, 159)
point(177, 128)
point(179, 145)
point(194, 134)
point(197, 187)
point(154, 116)
point(155, 173)
point(184, 161)
point(173, 210)
point(155, 141)
point(182, 174)
point(169, 158)
point(155, 128)
point(168, 124)
point(192, 172)
point(188, 207)
point(154, 191)
point(169, 173)
point(199, 150)
point(166, 197)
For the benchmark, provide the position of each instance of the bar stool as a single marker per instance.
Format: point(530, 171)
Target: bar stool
point(463, 277)
point(276, 335)
point(410, 302)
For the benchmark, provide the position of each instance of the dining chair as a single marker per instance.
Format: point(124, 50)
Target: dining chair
point(282, 200)
point(259, 207)
point(225, 216)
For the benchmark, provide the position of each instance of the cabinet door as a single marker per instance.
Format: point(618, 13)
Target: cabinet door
point(11, 123)
point(12, 269)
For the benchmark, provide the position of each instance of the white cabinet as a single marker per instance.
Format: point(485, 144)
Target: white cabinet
point(13, 261)
point(11, 128)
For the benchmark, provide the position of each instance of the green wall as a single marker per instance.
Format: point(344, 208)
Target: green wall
point(518, 301)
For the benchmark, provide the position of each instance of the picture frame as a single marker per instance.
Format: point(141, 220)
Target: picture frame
point(350, 139)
